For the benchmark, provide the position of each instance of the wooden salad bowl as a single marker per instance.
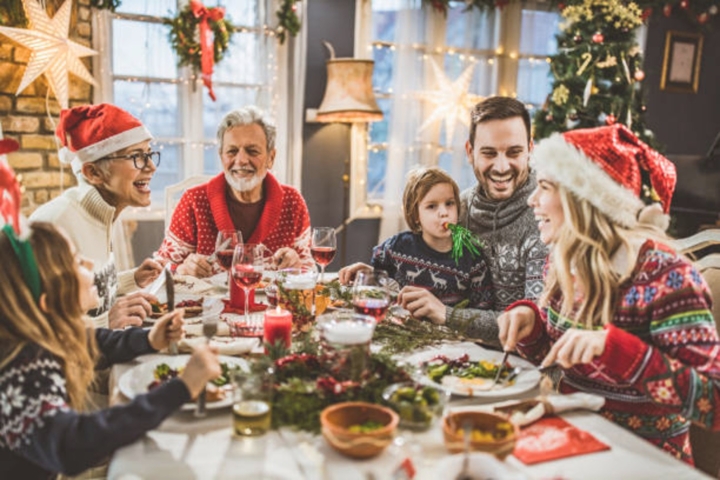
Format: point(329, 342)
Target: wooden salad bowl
point(336, 420)
point(491, 433)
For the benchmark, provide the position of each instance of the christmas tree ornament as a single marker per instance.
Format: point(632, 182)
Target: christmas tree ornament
point(667, 10)
point(451, 100)
point(684, 4)
point(572, 115)
point(610, 119)
point(643, 108)
point(601, 118)
point(588, 91)
point(639, 75)
point(713, 10)
point(560, 95)
point(549, 117)
point(578, 38)
point(702, 18)
point(587, 58)
point(570, 123)
point(646, 13)
point(463, 239)
point(52, 52)
point(598, 38)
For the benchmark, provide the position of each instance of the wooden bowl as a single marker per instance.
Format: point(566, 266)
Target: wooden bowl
point(504, 434)
point(335, 421)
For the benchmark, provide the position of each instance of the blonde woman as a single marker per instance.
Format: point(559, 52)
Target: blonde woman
point(622, 313)
point(47, 358)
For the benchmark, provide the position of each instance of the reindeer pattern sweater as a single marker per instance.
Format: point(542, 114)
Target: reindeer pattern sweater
point(410, 261)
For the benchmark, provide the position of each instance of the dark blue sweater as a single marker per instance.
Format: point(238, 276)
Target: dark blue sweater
point(40, 435)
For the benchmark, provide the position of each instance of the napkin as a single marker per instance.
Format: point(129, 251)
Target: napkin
point(192, 285)
point(533, 410)
point(553, 438)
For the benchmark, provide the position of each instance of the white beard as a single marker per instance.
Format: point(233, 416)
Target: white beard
point(244, 184)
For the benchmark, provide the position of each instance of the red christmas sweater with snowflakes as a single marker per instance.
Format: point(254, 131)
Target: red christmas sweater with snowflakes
point(660, 369)
point(203, 210)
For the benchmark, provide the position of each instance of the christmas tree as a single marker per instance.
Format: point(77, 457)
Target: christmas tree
point(597, 71)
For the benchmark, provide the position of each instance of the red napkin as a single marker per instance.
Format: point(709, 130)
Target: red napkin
point(552, 438)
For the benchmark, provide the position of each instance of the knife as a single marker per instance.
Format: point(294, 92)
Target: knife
point(170, 291)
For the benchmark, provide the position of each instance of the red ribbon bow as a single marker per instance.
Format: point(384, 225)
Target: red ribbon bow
point(207, 51)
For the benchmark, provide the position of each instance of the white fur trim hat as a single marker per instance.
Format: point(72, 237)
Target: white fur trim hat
point(610, 168)
point(91, 132)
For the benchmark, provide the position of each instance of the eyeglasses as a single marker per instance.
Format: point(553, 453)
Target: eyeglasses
point(140, 159)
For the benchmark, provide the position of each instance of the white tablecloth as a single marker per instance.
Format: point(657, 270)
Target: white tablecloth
point(188, 448)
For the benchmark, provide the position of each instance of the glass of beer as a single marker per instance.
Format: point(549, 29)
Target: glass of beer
point(296, 293)
point(252, 402)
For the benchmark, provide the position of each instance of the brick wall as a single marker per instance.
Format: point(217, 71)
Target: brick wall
point(25, 116)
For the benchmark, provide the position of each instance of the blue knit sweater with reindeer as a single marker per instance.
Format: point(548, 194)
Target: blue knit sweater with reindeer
point(410, 261)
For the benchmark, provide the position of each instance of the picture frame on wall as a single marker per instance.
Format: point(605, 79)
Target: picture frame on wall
point(681, 63)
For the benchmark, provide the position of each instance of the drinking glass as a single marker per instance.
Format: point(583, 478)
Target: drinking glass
point(225, 244)
point(323, 247)
point(252, 402)
point(247, 270)
point(346, 338)
point(296, 293)
point(370, 294)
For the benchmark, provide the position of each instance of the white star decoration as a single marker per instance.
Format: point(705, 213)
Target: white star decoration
point(52, 53)
point(452, 100)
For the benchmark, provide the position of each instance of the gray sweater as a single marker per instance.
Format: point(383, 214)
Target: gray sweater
point(514, 252)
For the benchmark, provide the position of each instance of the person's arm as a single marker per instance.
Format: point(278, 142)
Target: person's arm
point(301, 243)
point(381, 258)
point(40, 426)
point(474, 323)
point(535, 256)
point(480, 286)
point(118, 346)
point(181, 237)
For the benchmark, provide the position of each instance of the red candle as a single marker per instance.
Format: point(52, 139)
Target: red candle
point(278, 326)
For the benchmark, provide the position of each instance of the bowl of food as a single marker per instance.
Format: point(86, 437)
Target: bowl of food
point(417, 405)
point(358, 429)
point(489, 433)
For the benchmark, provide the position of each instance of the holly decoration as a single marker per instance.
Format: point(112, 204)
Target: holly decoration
point(463, 239)
point(289, 22)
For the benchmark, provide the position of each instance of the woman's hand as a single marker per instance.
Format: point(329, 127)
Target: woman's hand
point(577, 347)
point(346, 275)
point(169, 328)
point(195, 265)
point(286, 257)
point(148, 271)
point(515, 325)
point(202, 367)
point(422, 304)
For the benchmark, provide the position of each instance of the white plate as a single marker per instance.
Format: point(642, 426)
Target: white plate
point(212, 306)
point(136, 380)
point(480, 465)
point(219, 279)
point(526, 380)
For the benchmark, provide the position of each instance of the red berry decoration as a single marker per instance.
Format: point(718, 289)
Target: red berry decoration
point(684, 4)
point(598, 38)
point(639, 75)
point(667, 10)
point(610, 119)
point(702, 18)
point(646, 14)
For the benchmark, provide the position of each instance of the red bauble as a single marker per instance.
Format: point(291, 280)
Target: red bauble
point(598, 38)
point(561, 6)
point(610, 119)
point(702, 18)
point(667, 10)
point(639, 75)
point(684, 4)
point(646, 14)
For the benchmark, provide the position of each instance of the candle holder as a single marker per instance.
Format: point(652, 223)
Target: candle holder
point(296, 293)
point(277, 329)
point(345, 341)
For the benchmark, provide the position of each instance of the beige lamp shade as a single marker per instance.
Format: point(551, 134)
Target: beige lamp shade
point(349, 95)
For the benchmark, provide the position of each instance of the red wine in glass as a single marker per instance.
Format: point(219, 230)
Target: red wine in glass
point(375, 307)
point(323, 255)
point(247, 278)
point(224, 258)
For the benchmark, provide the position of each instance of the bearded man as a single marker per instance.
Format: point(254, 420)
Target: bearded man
point(244, 197)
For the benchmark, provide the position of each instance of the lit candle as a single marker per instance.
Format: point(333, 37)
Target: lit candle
point(278, 326)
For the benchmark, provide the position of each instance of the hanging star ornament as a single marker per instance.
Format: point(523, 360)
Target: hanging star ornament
point(451, 100)
point(53, 54)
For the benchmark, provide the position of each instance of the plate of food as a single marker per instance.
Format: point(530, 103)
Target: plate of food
point(148, 375)
point(472, 374)
point(196, 308)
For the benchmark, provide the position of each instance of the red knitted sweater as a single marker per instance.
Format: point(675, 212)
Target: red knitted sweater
point(203, 210)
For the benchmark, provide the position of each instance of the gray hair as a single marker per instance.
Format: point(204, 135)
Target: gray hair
point(248, 116)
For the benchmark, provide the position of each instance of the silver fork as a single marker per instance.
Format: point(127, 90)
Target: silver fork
point(500, 368)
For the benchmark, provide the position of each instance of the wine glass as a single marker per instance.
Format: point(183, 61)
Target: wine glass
point(323, 247)
point(370, 294)
point(247, 270)
point(225, 247)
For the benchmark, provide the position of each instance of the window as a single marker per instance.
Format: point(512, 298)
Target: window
point(506, 50)
point(142, 77)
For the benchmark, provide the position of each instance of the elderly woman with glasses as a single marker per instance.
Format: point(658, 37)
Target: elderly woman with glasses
point(109, 151)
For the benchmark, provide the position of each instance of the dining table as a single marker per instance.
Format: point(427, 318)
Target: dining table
point(187, 447)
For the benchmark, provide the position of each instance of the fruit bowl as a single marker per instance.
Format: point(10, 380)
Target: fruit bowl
point(490, 433)
point(417, 405)
point(358, 429)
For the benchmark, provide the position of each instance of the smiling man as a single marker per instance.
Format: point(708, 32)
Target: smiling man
point(110, 154)
point(244, 197)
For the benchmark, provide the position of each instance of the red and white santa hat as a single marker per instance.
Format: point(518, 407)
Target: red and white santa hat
point(613, 170)
point(91, 132)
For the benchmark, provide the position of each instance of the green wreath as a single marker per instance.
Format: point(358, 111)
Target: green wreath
point(185, 38)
